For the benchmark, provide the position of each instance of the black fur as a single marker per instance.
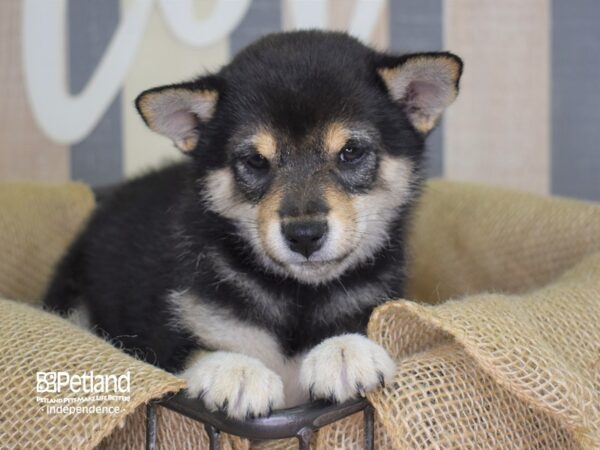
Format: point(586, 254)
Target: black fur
point(155, 236)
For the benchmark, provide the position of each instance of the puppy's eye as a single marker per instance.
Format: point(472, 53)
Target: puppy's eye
point(257, 162)
point(351, 154)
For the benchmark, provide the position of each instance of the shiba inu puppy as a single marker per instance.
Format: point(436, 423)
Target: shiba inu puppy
point(252, 268)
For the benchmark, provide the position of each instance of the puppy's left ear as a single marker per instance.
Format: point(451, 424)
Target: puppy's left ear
point(424, 84)
point(180, 111)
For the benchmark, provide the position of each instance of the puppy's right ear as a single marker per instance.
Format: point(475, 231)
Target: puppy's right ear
point(178, 111)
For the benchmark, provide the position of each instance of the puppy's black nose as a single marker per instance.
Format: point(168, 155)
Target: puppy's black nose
point(304, 237)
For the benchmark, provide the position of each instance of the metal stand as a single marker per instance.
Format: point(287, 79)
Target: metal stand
point(304, 437)
point(151, 426)
point(213, 437)
point(369, 427)
point(300, 422)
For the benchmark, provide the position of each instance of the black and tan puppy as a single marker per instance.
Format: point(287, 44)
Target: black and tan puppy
point(252, 267)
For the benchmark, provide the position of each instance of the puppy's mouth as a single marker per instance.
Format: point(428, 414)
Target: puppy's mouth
point(310, 263)
point(315, 271)
point(323, 262)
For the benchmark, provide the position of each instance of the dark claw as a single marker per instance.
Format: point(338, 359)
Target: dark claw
point(311, 392)
point(251, 416)
point(381, 379)
point(202, 394)
point(270, 409)
point(361, 390)
point(224, 406)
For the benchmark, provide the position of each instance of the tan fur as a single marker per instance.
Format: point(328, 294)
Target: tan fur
point(396, 174)
point(423, 123)
point(188, 144)
point(268, 218)
point(343, 214)
point(336, 137)
point(381, 204)
point(265, 144)
point(259, 224)
point(221, 196)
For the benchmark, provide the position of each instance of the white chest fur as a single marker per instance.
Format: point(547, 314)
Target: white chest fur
point(219, 330)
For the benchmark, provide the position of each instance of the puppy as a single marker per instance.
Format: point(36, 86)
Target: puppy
point(252, 267)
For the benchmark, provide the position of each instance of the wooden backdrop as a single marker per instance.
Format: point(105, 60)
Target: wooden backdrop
point(527, 117)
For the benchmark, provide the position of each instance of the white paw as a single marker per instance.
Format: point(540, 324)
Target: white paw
point(241, 386)
point(343, 367)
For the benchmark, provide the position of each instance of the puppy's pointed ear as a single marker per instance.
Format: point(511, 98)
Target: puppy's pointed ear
point(179, 111)
point(425, 84)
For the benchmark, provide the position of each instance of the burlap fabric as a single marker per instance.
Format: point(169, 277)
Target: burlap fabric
point(37, 222)
point(31, 341)
point(515, 363)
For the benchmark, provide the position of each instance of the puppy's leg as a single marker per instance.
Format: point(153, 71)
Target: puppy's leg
point(238, 384)
point(346, 366)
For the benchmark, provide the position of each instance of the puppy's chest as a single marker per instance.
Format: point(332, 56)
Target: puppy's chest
point(300, 319)
point(295, 320)
point(279, 335)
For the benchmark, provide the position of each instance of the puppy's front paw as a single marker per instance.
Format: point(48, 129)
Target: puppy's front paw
point(237, 384)
point(343, 367)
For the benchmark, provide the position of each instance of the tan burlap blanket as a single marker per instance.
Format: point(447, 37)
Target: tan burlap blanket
point(513, 361)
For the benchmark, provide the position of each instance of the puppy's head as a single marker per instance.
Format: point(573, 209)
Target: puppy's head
point(309, 142)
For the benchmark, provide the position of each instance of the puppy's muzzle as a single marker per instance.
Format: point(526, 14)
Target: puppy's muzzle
point(304, 236)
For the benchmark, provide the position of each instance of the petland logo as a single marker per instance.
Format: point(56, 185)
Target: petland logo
point(85, 383)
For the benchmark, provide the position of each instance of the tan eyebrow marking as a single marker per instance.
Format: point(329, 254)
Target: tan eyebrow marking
point(336, 136)
point(265, 144)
